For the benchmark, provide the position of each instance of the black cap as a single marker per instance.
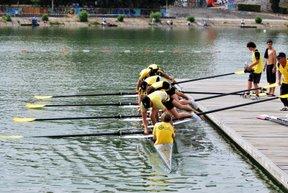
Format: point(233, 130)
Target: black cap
point(146, 102)
point(269, 41)
point(281, 55)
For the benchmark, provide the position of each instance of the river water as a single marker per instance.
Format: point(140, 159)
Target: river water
point(70, 61)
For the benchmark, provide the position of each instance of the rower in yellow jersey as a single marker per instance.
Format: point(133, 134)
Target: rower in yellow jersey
point(152, 70)
point(163, 132)
point(159, 100)
point(282, 72)
point(146, 83)
point(255, 68)
point(180, 100)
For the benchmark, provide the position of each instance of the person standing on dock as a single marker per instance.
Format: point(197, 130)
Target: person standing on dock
point(255, 69)
point(270, 66)
point(164, 132)
point(282, 72)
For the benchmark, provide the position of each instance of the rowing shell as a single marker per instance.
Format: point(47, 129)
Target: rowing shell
point(281, 121)
point(165, 151)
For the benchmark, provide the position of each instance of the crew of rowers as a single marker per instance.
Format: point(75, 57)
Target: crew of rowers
point(156, 90)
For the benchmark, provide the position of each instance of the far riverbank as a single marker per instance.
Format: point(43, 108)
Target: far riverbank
point(215, 18)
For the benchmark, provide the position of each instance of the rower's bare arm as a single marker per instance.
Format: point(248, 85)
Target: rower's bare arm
point(168, 77)
point(274, 57)
point(181, 94)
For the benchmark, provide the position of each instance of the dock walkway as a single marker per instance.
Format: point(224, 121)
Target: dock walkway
point(266, 142)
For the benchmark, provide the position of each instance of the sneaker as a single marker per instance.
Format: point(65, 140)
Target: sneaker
point(284, 109)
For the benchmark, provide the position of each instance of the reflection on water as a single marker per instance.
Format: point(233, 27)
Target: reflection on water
point(68, 61)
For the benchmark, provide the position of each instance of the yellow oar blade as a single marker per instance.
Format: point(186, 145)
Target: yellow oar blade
point(34, 106)
point(10, 137)
point(283, 96)
point(43, 97)
point(23, 120)
point(240, 72)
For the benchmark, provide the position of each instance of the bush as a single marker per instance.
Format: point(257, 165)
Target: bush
point(45, 17)
point(120, 18)
point(83, 16)
point(6, 17)
point(258, 20)
point(56, 23)
point(283, 10)
point(249, 7)
point(191, 19)
point(155, 16)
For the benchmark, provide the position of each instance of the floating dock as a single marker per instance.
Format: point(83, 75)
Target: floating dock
point(263, 141)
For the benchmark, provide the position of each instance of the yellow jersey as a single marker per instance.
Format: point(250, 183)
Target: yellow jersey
point(163, 133)
point(144, 74)
point(152, 79)
point(158, 98)
point(258, 68)
point(157, 85)
point(284, 72)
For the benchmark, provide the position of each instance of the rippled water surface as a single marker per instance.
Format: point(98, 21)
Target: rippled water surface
point(70, 61)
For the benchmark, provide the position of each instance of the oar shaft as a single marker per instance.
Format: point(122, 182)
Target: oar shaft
point(98, 94)
point(200, 92)
point(81, 105)
point(203, 78)
point(114, 133)
point(78, 118)
point(235, 106)
point(225, 94)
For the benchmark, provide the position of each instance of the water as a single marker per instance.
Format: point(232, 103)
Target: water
point(71, 61)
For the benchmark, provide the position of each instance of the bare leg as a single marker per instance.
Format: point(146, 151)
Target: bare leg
point(249, 85)
point(181, 100)
point(181, 115)
point(257, 90)
point(180, 106)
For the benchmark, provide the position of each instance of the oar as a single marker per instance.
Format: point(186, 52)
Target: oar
point(19, 119)
point(112, 133)
point(241, 105)
point(208, 77)
point(40, 106)
point(22, 120)
point(85, 95)
point(200, 92)
point(236, 92)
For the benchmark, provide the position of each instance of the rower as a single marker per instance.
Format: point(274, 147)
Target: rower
point(164, 132)
point(282, 72)
point(255, 69)
point(143, 85)
point(152, 70)
point(159, 100)
point(180, 100)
